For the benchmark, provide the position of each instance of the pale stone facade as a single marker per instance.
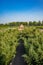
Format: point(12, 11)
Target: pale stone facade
point(21, 27)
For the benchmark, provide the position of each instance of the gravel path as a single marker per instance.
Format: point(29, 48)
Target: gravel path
point(19, 60)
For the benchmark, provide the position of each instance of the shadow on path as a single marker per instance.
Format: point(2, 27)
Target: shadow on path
point(19, 60)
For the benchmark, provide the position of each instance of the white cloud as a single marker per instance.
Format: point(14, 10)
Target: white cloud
point(21, 16)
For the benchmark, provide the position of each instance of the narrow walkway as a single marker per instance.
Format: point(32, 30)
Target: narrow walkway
point(19, 60)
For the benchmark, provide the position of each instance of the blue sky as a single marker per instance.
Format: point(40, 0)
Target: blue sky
point(21, 10)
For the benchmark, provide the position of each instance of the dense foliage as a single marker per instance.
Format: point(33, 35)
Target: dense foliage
point(30, 23)
point(8, 44)
point(33, 43)
point(34, 47)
